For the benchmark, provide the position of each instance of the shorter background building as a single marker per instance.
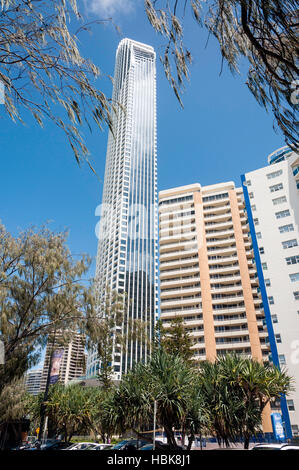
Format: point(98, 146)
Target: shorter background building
point(33, 381)
point(73, 360)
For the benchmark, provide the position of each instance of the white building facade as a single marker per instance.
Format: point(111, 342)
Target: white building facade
point(33, 381)
point(127, 249)
point(272, 202)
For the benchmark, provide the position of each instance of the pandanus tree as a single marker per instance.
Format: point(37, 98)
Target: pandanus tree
point(166, 380)
point(236, 391)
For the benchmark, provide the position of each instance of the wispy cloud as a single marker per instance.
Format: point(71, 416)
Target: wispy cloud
point(110, 7)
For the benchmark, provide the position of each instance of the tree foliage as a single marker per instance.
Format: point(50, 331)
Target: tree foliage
point(175, 338)
point(41, 289)
point(15, 403)
point(225, 398)
point(262, 31)
point(43, 71)
point(236, 391)
point(166, 379)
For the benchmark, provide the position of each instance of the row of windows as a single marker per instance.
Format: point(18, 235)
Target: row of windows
point(289, 243)
point(276, 187)
point(177, 199)
point(289, 260)
point(215, 197)
point(270, 176)
point(296, 293)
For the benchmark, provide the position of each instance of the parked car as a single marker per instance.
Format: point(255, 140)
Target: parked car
point(80, 446)
point(275, 447)
point(49, 444)
point(100, 447)
point(130, 444)
point(159, 445)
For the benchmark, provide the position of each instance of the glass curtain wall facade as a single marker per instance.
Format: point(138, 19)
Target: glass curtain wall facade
point(127, 249)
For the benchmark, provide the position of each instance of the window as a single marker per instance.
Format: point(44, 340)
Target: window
point(291, 405)
point(296, 295)
point(271, 300)
point(261, 250)
point(278, 338)
point(251, 195)
point(267, 282)
point(289, 243)
point(274, 174)
point(296, 170)
point(256, 221)
point(294, 277)
point(286, 228)
point(253, 207)
point(281, 214)
point(264, 266)
point(248, 182)
point(282, 359)
point(292, 259)
point(274, 318)
point(276, 187)
point(279, 200)
point(206, 198)
point(258, 235)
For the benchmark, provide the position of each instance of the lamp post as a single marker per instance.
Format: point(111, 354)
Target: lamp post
point(155, 419)
point(46, 394)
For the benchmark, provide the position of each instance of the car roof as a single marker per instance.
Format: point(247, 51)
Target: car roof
point(272, 446)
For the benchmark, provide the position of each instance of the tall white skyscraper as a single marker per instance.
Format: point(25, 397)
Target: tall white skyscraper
point(272, 202)
point(127, 249)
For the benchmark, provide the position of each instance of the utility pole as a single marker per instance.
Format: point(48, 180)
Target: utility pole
point(43, 405)
point(155, 420)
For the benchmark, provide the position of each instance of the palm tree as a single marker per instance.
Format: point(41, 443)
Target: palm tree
point(166, 380)
point(237, 390)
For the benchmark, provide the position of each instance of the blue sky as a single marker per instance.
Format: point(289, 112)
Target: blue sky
point(221, 133)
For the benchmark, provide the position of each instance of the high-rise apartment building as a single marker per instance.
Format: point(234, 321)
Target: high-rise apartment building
point(72, 363)
point(208, 274)
point(272, 202)
point(127, 249)
point(207, 270)
point(33, 381)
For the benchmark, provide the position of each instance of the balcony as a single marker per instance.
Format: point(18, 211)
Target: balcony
point(229, 309)
point(178, 229)
point(223, 209)
point(224, 269)
point(231, 333)
point(219, 250)
point(226, 278)
point(181, 302)
point(220, 233)
point(181, 262)
point(223, 259)
point(180, 245)
point(228, 299)
point(219, 242)
point(176, 254)
point(177, 281)
point(223, 288)
point(194, 269)
point(187, 312)
point(168, 293)
point(178, 237)
point(233, 346)
point(218, 225)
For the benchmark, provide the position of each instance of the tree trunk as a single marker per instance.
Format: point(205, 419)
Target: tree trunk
point(246, 442)
point(170, 437)
point(190, 441)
